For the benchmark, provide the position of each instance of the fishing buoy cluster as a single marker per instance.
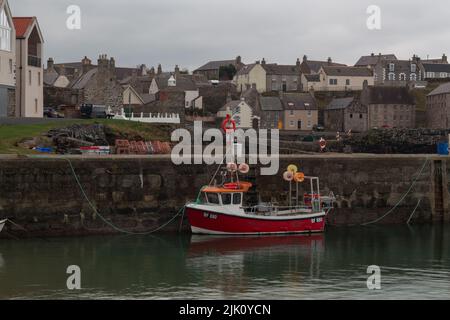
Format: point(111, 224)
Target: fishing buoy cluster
point(293, 175)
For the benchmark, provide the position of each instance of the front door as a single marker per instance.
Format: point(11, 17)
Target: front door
point(299, 126)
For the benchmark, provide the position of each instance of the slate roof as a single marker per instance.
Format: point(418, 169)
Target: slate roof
point(348, 71)
point(215, 65)
point(312, 77)
point(373, 59)
point(390, 95)
point(271, 104)
point(231, 105)
point(84, 79)
point(50, 76)
point(277, 69)
point(183, 83)
point(442, 89)
point(246, 69)
point(400, 66)
point(436, 67)
point(340, 103)
point(315, 65)
point(299, 101)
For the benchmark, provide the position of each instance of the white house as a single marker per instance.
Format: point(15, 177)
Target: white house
point(240, 112)
point(7, 60)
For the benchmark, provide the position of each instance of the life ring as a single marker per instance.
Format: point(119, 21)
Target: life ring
point(299, 177)
point(232, 167)
point(288, 176)
point(227, 122)
point(292, 168)
point(244, 168)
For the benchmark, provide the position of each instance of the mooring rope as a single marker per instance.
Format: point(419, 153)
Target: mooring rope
point(402, 198)
point(110, 223)
point(412, 214)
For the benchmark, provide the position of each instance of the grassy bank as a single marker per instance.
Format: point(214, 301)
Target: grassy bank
point(12, 134)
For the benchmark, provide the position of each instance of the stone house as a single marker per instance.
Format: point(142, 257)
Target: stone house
point(99, 85)
point(7, 61)
point(389, 107)
point(300, 111)
point(265, 77)
point(398, 72)
point(29, 68)
point(332, 78)
point(211, 70)
point(344, 114)
point(438, 108)
point(271, 113)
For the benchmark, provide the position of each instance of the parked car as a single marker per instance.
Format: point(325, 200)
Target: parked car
point(92, 111)
point(319, 127)
point(52, 113)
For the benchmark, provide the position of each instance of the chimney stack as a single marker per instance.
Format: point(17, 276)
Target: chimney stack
point(50, 63)
point(159, 69)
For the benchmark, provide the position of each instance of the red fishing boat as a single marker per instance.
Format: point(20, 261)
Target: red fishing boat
point(222, 209)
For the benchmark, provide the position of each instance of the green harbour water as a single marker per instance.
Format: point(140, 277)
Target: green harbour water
point(414, 262)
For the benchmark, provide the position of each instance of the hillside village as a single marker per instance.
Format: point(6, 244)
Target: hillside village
point(377, 91)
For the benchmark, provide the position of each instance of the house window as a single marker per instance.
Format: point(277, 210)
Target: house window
point(5, 32)
point(430, 74)
point(309, 124)
point(391, 76)
point(347, 82)
point(333, 82)
point(309, 113)
point(413, 77)
point(413, 68)
point(391, 67)
point(291, 123)
point(39, 79)
point(187, 103)
point(443, 75)
point(10, 66)
point(360, 116)
point(351, 115)
point(36, 105)
point(291, 112)
point(29, 77)
point(402, 77)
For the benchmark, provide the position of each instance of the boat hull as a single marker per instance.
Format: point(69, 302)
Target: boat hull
point(2, 224)
point(218, 223)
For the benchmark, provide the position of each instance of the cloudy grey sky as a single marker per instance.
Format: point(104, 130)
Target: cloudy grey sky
point(191, 32)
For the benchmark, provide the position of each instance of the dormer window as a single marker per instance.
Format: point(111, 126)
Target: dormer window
point(5, 32)
point(413, 68)
point(391, 67)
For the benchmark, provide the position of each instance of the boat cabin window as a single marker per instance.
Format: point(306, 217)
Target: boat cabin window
point(226, 198)
point(237, 198)
point(213, 198)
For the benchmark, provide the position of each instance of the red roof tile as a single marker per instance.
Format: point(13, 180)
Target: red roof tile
point(22, 24)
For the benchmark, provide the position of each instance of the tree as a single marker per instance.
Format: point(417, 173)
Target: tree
point(227, 72)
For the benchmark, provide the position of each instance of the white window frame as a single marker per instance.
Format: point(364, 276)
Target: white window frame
point(5, 32)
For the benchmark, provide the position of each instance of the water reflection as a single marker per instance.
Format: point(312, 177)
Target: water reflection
point(415, 263)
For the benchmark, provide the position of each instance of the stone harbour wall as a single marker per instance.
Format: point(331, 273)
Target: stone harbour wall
point(41, 195)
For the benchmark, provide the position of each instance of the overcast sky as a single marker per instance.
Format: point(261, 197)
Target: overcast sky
point(192, 32)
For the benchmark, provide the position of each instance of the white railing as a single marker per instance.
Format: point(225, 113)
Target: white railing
point(172, 118)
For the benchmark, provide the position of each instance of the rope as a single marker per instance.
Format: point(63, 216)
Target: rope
point(412, 214)
point(401, 199)
point(110, 223)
